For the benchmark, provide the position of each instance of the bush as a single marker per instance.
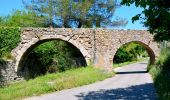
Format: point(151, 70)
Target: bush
point(129, 52)
point(52, 56)
point(9, 38)
point(161, 82)
point(164, 60)
point(161, 74)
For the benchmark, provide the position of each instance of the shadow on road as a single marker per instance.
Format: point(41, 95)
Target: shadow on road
point(137, 92)
point(143, 63)
point(132, 72)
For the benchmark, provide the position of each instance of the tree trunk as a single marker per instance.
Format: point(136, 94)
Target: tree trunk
point(80, 25)
point(98, 23)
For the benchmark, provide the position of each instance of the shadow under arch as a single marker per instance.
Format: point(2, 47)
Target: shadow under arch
point(146, 47)
point(39, 42)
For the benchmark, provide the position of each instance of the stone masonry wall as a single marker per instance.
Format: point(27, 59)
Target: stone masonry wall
point(8, 73)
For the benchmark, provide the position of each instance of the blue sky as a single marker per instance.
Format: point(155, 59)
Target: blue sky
point(127, 13)
point(6, 7)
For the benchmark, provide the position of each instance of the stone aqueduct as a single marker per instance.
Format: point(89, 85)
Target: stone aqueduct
point(98, 46)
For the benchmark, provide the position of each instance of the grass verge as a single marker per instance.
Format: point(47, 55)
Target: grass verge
point(53, 82)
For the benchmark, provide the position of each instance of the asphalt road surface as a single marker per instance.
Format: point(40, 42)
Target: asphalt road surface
point(131, 82)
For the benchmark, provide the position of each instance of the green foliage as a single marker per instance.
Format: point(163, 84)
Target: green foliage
point(80, 13)
point(3, 21)
point(164, 60)
point(128, 62)
point(129, 52)
point(157, 16)
point(9, 38)
point(55, 53)
point(53, 56)
point(161, 82)
point(24, 19)
point(72, 11)
point(42, 7)
point(161, 74)
point(101, 14)
point(53, 82)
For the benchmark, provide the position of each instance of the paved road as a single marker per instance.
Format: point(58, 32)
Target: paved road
point(131, 83)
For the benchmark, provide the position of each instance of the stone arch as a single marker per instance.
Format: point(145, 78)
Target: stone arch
point(150, 50)
point(23, 49)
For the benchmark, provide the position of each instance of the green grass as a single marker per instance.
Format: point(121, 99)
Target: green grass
point(53, 82)
point(129, 62)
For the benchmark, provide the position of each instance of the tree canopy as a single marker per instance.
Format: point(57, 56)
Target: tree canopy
point(76, 13)
point(23, 19)
point(156, 16)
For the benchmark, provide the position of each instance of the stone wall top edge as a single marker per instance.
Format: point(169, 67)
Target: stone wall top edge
point(32, 28)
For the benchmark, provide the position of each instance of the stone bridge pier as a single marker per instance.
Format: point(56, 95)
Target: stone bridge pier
point(98, 46)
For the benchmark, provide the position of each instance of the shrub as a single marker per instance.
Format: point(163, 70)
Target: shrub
point(161, 74)
point(9, 38)
point(52, 56)
point(164, 60)
point(129, 52)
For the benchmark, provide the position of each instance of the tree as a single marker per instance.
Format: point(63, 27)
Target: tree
point(42, 7)
point(23, 19)
point(91, 13)
point(156, 16)
point(102, 13)
point(129, 52)
point(2, 21)
point(77, 13)
point(72, 12)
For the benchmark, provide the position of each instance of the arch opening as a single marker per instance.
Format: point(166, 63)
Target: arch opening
point(133, 51)
point(41, 58)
